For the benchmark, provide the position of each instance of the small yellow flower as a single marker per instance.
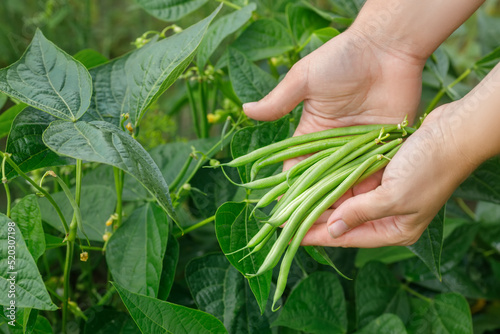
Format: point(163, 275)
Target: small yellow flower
point(106, 236)
point(84, 256)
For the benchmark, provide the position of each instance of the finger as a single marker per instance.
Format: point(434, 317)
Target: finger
point(282, 99)
point(379, 233)
point(359, 209)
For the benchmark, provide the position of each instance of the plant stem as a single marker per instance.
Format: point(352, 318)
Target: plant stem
point(91, 248)
point(36, 186)
point(119, 175)
point(67, 269)
point(415, 293)
point(465, 208)
point(229, 4)
point(192, 105)
point(443, 90)
point(71, 244)
point(203, 108)
point(195, 226)
point(7, 194)
point(181, 175)
point(107, 296)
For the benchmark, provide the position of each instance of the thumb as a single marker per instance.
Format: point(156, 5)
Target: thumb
point(359, 209)
point(282, 99)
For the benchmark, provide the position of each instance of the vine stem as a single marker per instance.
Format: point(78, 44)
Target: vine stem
point(203, 108)
point(70, 244)
point(194, 112)
point(465, 208)
point(107, 296)
point(119, 176)
point(37, 187)
point(443, 90)
point(415, 293)
point(229, 4)
point(179, 176)
point(195, 226)
point(6, 186)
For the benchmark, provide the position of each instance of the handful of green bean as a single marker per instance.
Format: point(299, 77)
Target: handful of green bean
point(340, 158)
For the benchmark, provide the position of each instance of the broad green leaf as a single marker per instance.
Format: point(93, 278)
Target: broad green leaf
point(130, 84)
point(387, 255)
point(27, 215)
point(379, 292)
point(7, 117)
point(253, 137)
point(250, 83)
point(457, 244)
point(483, 184)
point(316, 305)
point(446, 313)
point(155, 316)
point(48, 79)
point(3, 99)
point(429, 246)
point(97, 205)
point(135, 251)
point(303, 21)
point(385, 324)
point(263, 39)
point(234, 228)
point(219, 289)
point(42, 326)
point(90, 58)
point(222, 28)
point(107, 320)
point(26, 145)
point(317, 39)
point(29, 288)
point(102, 142)
point(438, 64)
point(320, 255)
point(170, 260)
point(170, 10)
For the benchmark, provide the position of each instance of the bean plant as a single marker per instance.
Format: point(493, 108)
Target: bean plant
point(102, 233)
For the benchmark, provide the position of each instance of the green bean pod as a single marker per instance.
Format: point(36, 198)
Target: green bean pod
point(309, 221)
point(298, 151)
point(292, 141)
point(272, 195)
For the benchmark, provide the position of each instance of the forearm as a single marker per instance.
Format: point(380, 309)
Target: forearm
point(412, 27)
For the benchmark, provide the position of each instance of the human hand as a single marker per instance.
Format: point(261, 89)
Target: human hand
point(350, 80)
point(396, 208)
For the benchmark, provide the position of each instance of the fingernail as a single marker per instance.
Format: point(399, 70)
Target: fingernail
point(248, 105)
point(337, 229)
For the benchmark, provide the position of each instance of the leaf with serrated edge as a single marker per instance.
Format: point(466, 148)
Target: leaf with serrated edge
point(103, 142)
point(29, 287)
point(429, 246)
point(155, 316)
point(316, 305)
point(131, 83)
point(134, 253)
point(48, 79)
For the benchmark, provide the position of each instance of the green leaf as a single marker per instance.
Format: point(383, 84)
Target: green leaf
point(316, 305)
point(7, 117)
point(263, 39)
point(104, 320)
point(222, 28)
point(250, 83)
point(135, 251)
point(170, 260)
point(219, 289)
point(170, 10)
point(253, 137)
point(379, 292)
point(438, 64)
point(102, 142)
point(48, 79)
point(429, 246)
point(457, 244)
point(42, 326)
point(447, 313)
point(320, 255)
point(385, 324)
point(483, 184)
point(27, 215)
point(29, 288)
point(234, 228)
point(303, 21)
point(3, 99)
point(155, 316)
point(97, 205)
point(387, 255)
point(90, 58)
point(26, 145)
point(317, 39)
point(130, 84)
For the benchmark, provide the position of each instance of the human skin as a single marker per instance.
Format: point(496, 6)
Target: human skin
point(372, 74)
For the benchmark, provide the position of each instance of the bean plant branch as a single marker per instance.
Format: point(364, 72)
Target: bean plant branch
point(6, 186)
point(465, 208)
point(119, 177)
point(415, 293)
point(195, 226)
point(37, 187)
